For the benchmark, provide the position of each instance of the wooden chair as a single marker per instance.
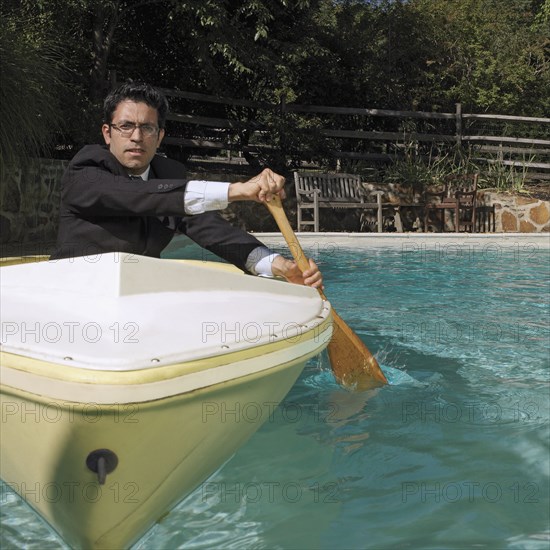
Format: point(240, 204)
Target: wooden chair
point(458, 196)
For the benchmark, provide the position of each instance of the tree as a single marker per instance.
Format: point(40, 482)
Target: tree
point(221, 47)
point(490, 55)
point(401, 54)
point(30, 86)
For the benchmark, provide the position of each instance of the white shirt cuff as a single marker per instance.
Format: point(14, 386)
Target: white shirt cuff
point(259, 262)
point(201, 196)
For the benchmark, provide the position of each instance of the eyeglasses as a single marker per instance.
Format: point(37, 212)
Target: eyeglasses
point(126, 129)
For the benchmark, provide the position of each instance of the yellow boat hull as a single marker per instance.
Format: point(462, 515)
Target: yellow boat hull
point(170, 426)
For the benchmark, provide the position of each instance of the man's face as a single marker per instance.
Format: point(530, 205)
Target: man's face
point(135, 151)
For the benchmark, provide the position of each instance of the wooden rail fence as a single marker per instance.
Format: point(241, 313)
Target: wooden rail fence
point(207, 123)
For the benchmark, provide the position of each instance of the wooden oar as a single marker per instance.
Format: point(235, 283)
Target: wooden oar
point(352, 363)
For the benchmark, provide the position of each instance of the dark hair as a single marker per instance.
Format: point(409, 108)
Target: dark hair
point(139, 92)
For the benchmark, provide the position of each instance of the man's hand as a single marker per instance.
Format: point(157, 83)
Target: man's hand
point(260, 188)
point(281, 267)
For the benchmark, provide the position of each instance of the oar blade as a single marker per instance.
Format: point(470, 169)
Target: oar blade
point(352, 363)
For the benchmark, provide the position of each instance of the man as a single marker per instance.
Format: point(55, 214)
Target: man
point(103, 209)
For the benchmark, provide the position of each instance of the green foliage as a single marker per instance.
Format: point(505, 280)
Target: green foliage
point(490, 55)
point(495, 174)
point(420, 173)
point(294, 139)
point(30, 83)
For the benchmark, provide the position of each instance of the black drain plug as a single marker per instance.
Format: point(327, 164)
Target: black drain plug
point(102, 462)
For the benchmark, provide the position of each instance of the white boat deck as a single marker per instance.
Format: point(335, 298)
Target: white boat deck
point(125, 312)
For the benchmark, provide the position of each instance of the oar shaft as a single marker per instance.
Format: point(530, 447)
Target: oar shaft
point(276, 208)
point(277, 211)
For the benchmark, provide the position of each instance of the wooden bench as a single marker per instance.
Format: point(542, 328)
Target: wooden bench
point(315, 190)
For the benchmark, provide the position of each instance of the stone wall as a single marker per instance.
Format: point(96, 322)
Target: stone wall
point(30, 196)
point(29, 203)
point(515, 213)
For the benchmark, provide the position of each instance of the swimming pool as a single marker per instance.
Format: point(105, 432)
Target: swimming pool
point(452, 454)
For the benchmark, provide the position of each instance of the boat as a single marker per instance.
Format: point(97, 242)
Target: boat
point(126, 381)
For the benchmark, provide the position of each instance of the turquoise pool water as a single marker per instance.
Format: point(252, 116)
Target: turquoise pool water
point(452, 454)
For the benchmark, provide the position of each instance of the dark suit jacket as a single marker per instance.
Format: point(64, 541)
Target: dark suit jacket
point(103, 210)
